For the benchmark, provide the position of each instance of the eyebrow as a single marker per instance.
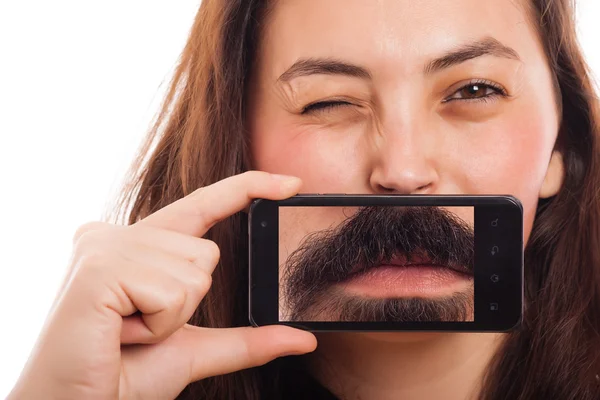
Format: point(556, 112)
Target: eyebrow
point(329, 66)
point(487, 46)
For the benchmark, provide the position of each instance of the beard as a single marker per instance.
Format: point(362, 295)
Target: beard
point(373, 236)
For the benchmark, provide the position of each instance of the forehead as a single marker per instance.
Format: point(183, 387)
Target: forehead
point(396, 34)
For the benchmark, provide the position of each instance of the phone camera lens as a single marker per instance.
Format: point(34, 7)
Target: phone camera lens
point(263, 224)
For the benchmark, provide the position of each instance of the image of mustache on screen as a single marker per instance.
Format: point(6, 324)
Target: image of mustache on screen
point(384, 264)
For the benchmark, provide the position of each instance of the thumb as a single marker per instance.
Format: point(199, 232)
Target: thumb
point(220, 351)
point(193, 353)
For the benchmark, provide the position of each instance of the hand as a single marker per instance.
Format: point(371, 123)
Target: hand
point(118, 327)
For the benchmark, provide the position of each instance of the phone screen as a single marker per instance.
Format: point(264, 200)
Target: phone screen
point(368, 262)
point(376, 263)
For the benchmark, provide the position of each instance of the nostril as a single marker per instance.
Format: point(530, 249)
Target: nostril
point(386, 190)
point(423, 189)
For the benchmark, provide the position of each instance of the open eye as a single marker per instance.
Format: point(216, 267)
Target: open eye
point(324, 105)
point(477, 91)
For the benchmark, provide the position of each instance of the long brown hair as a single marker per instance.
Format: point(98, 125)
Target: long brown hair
point(199, 137)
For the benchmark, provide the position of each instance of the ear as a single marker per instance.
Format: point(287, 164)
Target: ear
point(555, 176)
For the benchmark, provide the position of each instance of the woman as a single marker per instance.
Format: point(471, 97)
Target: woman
point(395, 96)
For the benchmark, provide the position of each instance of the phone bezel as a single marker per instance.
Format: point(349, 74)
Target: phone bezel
point(507, 293)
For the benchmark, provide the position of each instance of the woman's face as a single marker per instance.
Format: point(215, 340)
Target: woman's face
point(402, 96)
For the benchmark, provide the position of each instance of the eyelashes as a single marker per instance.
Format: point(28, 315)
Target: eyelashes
point(324, 105)
point(470, 90)
point(474, 91)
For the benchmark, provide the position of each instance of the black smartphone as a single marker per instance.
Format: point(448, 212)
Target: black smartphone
point(328, 262)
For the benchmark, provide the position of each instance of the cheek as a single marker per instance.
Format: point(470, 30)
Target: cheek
point(327, 161)
point(510, 156)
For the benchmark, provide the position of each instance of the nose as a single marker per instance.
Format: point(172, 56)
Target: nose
point(402, 164)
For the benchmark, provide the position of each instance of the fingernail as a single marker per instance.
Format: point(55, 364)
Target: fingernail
point(292, 353)
point(283, 177)
point(287, 182)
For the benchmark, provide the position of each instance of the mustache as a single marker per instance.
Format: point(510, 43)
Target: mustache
point(375, 236)
point(352, 309)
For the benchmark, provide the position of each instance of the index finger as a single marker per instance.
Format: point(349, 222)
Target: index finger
point(197, 212)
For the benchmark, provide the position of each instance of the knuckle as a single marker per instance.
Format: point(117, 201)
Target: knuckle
point(177, 298)
point(88, 227)
point(208, 283)
point(249, 179)
point(254, 174)
point(94, 243)
point(213, 252)
point(198, 193)
point(247, 354)
point(87, 243)
point(130, 232)
point(94, 238)
point(249, 174)
point(197, 209)
point(201, 282)
point(93, 252)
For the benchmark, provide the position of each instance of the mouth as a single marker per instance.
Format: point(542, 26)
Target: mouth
point(416, 276)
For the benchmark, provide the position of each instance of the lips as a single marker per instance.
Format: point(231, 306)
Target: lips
point(416, 259)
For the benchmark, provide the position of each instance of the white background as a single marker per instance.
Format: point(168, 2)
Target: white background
point(80, 82)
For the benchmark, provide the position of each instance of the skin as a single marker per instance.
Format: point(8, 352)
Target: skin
point(400, 138)
point(161, 269)
point(397, 133)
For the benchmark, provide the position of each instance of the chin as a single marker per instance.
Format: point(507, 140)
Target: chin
point(401, 337)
